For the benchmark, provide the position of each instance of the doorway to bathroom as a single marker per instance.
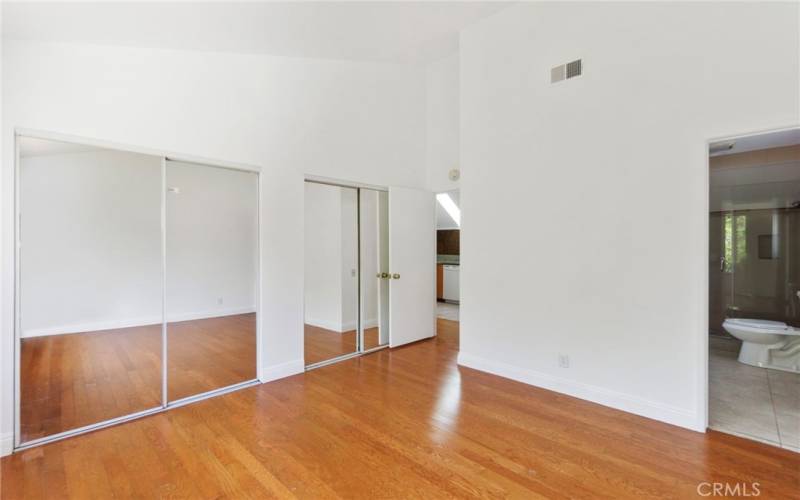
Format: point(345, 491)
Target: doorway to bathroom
point(754, 287)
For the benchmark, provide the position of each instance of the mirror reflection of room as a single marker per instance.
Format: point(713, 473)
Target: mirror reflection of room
point(212, 270)
point(331, 272)
point(448, 255)
point(90, 285)
point(94, 261)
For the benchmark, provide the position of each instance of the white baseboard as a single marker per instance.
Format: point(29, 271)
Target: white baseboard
point(606, 397)
point(352, 325)
point(325, 325)
point(210, 314)
point(275, 372)
point(6, 444)
point(97, 326)
point(337, 327)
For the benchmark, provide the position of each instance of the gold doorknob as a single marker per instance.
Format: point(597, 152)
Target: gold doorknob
point(385, 276)
point(396, 276)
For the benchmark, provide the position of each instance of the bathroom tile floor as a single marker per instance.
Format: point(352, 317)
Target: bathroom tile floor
point(447, 311)
point(755, 403)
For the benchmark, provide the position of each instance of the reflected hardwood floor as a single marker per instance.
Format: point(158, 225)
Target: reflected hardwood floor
point(399, 423)
point(69, 381)
point(321, 344)
point(210, 353)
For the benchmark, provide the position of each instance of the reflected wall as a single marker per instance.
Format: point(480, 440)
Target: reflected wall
point(211, 284)
point(331, 297)
point(90, 305)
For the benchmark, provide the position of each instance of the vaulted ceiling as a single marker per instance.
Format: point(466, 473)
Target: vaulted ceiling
point(410, 32)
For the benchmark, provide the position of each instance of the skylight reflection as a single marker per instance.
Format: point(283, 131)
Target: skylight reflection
point(450, 207)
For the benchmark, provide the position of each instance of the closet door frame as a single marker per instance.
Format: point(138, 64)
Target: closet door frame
point(360, 351)
point(165, 405)
point(165, 402)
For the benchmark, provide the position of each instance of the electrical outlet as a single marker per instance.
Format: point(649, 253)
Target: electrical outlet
point(563, 361)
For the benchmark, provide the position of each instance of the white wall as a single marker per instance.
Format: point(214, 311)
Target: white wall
point(331, 256)
point(6, 344)
point(349, 263)
point(323, 256)
point(442, 111)
point(212, 241)
point(370, 246)
point(611, 271)
point(91, 234)
point(91, 254)
point(346, 120)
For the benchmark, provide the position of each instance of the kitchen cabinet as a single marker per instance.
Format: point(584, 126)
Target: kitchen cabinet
point(439, 281)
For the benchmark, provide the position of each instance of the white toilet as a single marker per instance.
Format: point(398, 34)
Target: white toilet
point(768, 344)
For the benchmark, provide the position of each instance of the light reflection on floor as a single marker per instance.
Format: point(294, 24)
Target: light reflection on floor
point(447, 408)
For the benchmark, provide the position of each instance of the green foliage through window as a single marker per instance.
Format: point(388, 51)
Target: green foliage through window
point(734, 241)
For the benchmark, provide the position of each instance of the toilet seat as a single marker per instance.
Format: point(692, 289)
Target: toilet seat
point(761, 324)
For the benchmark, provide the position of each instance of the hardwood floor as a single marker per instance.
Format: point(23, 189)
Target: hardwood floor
point(321, 344)
point(399, 423)
point(69, 381)
point(209, 354)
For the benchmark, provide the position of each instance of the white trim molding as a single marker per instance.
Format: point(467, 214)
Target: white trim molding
point(333, 326)
point(606, 397)
point(97, 326)
point(6, 444)
point(282, 370)
point(340, 328)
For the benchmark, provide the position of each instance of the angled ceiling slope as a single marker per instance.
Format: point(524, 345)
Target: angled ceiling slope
point(400, 32)
point(443, 219)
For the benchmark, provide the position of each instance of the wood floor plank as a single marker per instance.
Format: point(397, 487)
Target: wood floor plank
point(399, 423)
point(321, 344)
point(69, 381)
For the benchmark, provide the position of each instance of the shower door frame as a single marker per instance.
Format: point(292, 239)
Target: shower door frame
point(165, 404)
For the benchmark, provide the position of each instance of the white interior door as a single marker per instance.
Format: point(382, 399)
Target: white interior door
point(412, 256)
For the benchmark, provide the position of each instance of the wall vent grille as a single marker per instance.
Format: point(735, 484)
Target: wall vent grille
point(566, 71)
point(574, 68)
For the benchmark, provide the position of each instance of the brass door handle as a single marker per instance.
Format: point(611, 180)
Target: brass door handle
point(396, 276)
point(384, 276)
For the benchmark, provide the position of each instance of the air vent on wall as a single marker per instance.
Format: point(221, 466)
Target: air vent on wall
point(566, 71)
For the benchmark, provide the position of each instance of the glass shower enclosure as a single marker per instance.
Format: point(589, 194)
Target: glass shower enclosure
point(754, 268)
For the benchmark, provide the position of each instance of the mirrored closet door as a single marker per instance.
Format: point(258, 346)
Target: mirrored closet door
point(211, 286)
point(346, 271)
point(136, 285)
point(89, 294)
point(374, 227)
point(331, 272)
